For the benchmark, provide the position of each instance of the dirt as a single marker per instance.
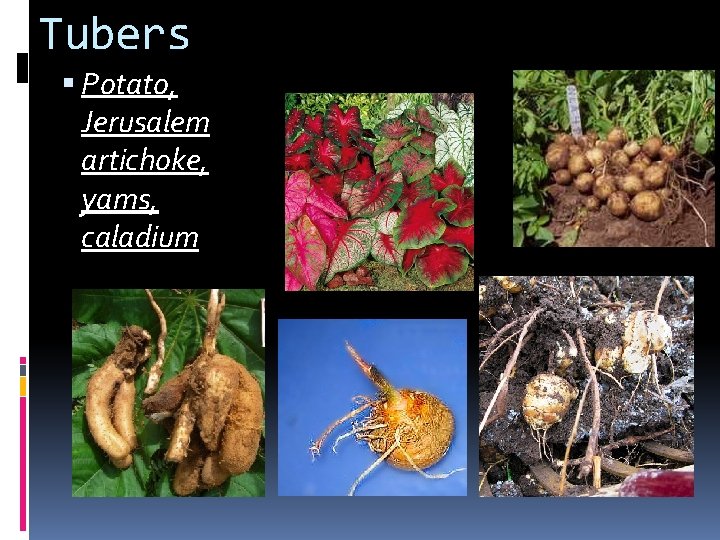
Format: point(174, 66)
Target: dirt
point(602, 229)
point(508, 446)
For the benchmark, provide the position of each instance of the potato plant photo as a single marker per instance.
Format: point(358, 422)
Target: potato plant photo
point(379, 192)
point(627, 161)
point(168, 393)
point(587, 386)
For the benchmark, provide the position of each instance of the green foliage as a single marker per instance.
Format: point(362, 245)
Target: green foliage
point(105, 312)
point(457, 141)
point(398, 103)
point(372, 106)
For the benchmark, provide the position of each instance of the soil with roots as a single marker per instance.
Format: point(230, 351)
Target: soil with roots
point(508, 446)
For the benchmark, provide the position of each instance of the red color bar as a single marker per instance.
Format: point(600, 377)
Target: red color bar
point(23, 459)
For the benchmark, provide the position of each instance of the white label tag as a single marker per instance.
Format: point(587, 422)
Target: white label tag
point(574, 108)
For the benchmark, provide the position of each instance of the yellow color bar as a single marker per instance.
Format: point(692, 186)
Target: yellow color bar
point(23, 386)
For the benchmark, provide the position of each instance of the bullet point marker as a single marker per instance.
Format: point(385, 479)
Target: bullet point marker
point(68, 82)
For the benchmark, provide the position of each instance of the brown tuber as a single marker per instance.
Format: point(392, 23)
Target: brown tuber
point(557, 157)
point(668, 153)
point(652, 147)
point(630, 184)
point(584, 182)
point(563, 177)
point(592, 203)
point(618, 203)
point(617, 137)
point(604, 186)
point(647, 206)
point(577, 164)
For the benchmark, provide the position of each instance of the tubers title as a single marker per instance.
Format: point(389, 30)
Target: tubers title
point(103, 36)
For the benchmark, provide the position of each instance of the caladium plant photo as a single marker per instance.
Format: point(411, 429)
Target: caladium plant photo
point(397, 200)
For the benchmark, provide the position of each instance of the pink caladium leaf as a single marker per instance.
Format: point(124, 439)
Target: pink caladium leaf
point(452, 175)
point(319, 198)
point(292, 124)
point(420, 224)
point(413, 165)
point(362, 171)
point(384, 250)
point(314, 124)
point(464, 213)
point(463, 237)
point(370, 197)
point(291, 282)
point(325, 155)
point(365, 146)
point(386, 148)
point(331, 184)
point(386, 221)
point(305, 252)
point(348, 158)
point(297, 189)
point(298, 162)
point(441, 265)
point(417, 190)
point(326, 225)
point(340, 127)
point(394, 128)
point(352, 246)
point(425, 143)
point(422, 117)
point(409, 258)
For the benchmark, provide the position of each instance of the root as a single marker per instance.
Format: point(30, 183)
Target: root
point(180, 439)
point(371, 468)
point(318, 443)
point(214, 310)
point(571, 438)
point(659, 449)
point(664, 283)
point(592, 447)
point(156, 370)
point(697, 213)
point(502, 386)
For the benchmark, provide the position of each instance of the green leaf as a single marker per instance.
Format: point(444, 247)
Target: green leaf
point(532, 228)
point(529, 127)
point(542, 220)
point(249, 484)
point(518, 235)
point(702, 144)
point(544, 236)
point(569, 237)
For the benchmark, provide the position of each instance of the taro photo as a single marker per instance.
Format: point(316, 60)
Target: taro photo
point(587, 386)
point(372, 407)
point(379, 192)
point(614, 158)
point(167, 393)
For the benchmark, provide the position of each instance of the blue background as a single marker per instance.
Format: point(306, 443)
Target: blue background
point(318, 379)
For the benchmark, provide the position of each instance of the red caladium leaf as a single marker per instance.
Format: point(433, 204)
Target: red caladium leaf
point(452, 175)
point(463, 237)
point(327, 226)
point(417, 190)
point(348, 158)
point(441, 265)
point(352, 245)
point(409, 258)
point(464, 213)
point(297, 189)
point(302, 143)
point(365, 146)
point(383, 249)
point(318, 197)
point(412, 164)
point(386, 221)
point(340, 127)
point(370, 197)
point(425, 143)
point(362, 171)
point(420, 224)
point(394, 128)
point(305, 252)
point(386, 148)
point(384, 168)
point(332, 185)
point(314, 124)
point(422, 117)
point(292, 123)
point(291, 282)
point(298, 162)
point(325, 155)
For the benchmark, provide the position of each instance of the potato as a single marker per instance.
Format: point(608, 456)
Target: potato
point(618, 203)
point(592, 203)
point(617, 137)
point(632, 149)
point(630, 184)
point(652, 147)
point(584, 182)
point(620, 159)
point(668, 153)
point(595, 156)
point(654, 177)
point(588, 140)
point(575, 149)
point(604, 186)
point(605, 147)
point(647, 205)
point(577, 164)
point(564, 139)
point(557, 157)
point(642, 157)
point(637, 168)
point(562, 177)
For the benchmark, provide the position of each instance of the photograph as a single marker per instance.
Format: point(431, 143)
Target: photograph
point(587, 386)
point(372, 407)
point(622, 158)
point(379, 192)
point(168, 391)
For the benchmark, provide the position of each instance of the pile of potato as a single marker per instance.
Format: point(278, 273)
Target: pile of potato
point(620, 173)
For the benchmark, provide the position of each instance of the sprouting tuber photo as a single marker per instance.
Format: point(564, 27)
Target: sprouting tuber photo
point(167, 393)
point(372, 407)
point(614, 158)
point(586, 386)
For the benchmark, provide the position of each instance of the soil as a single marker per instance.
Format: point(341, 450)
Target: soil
point(508, 448)
point(602, 229)
point(389, 278)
